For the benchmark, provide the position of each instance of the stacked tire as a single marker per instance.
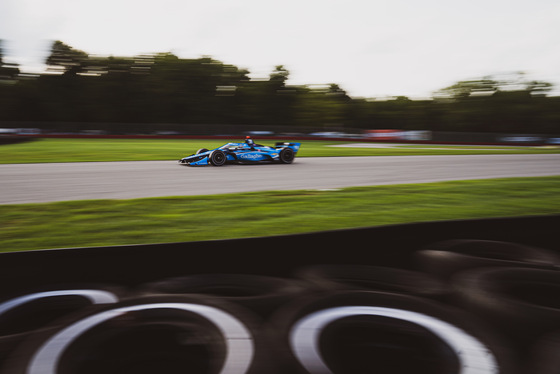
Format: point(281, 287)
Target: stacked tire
point(469, 306)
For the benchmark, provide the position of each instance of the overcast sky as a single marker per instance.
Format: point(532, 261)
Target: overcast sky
point(371, 48)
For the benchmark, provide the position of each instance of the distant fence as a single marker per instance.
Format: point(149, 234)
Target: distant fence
point(226, 131)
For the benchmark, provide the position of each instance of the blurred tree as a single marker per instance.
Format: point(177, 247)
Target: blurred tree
point(499, 103)
point(490, 85)
point(334, 91)
point(466, 89)
point(324, 107)
point(8, 71)
point(279, 76)
point(517, 82)
point(270, 102)
point(146, 93)
point(66, 59)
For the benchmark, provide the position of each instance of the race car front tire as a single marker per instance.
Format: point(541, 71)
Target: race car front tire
point(218, 158)
point(201, 150)
point(286, 156)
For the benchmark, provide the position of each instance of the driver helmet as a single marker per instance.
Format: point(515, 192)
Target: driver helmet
point(249, 141)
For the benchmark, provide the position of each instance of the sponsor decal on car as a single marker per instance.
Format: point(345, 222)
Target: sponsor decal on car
point(250, 156)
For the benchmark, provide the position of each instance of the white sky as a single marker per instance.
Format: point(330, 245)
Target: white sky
point(371, 48)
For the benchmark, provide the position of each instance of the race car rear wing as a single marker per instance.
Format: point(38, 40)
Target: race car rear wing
point(284, 144)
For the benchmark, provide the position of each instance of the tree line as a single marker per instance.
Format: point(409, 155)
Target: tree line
point(163, 88)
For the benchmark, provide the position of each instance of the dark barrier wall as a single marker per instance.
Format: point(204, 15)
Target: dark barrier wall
point(276, 255)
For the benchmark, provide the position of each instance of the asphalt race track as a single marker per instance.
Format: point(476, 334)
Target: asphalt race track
point(29, 183)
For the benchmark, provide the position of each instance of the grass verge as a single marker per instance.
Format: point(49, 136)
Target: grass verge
point(83, 150)
point(174, 219)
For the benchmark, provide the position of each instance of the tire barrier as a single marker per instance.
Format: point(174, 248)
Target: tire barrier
point(146, 335)
point(373, 278)
point(305, 304)
point(544, 356)
point(446, 258)
point(23, 315)
point(522, 303)
point(363, 332)
point(351, 330)
point(39, 308)
point(261, 294)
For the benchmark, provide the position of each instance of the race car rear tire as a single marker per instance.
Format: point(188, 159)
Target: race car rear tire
point(201, 150)
point(218, 158)
point(286, 156)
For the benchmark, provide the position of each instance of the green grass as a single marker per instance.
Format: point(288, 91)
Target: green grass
point(174, 219)
point(81, 150)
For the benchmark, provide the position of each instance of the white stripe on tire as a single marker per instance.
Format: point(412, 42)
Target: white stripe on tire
point(95, 296)
point(238, 339)
point(474, 357)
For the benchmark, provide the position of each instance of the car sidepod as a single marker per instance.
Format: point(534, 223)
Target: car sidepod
point(253, 156)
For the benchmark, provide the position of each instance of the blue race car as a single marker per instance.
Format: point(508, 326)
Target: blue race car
point(243, 153)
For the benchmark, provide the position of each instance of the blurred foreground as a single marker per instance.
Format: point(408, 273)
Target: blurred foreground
point(419, 305)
